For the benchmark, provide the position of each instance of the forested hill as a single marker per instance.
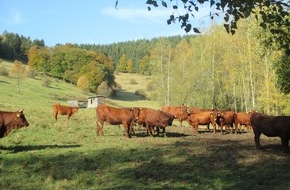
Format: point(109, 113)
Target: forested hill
point(211, 70)
point(132, 51)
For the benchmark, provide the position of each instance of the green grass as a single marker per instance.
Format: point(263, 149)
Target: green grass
point(69, 155)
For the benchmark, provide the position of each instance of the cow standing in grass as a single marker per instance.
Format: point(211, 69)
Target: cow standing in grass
point(179, 112)
point(201, 118)
point(271, 126)
point(59, 109)
point(116, 116)
point(151, 118)
point(242, 118)
point(10, 121)
point(225, 118)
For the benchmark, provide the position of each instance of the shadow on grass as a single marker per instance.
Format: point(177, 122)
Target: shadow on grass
point(1, 81)
point(168, 134)
point(22, 148)
point(191, 163)
point(127, 96)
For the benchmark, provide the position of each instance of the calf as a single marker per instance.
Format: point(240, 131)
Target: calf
point(116, 116)
point(154, 118)
point(271, 126)
point(63, 110)
point(10, 121)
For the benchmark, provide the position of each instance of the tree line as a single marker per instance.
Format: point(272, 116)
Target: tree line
point(238, 72)
point(74, 65)
point(216, 70)
point(15, 47)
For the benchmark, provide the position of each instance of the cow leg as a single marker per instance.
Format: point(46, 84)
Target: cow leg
point(157, 131)
point(180, 121)
point(164, 133)
point(195, 129)
point(132, 131)
point(127, 130)
point(99, 128)
point(285, 144)
point(139, 127)
point(214, 128)
point(151, 130)
point(148, 130)
point(236, 128)
point(257, 140)
point(221, 126)
point(55, 116)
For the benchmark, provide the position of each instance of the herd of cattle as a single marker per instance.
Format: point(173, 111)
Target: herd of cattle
point(271, 126)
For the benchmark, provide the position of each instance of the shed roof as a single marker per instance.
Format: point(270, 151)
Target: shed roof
point(97, 96)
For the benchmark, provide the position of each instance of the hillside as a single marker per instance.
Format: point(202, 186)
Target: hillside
point(34, 92)
point(67, 154)
point(130, 83)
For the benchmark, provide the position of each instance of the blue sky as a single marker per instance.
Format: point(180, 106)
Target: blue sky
point(88, 21)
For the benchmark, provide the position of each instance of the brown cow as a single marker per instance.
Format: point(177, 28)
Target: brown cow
point(63, 110)
point(242, 118)
point(10, 121)
point(151, 118)
point(202, 118)
point(271, 126)
point(198, 110)
point(179, 112)
point(116, 116)
point(225, 118)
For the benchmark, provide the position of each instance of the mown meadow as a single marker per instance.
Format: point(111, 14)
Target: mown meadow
point(67, 154)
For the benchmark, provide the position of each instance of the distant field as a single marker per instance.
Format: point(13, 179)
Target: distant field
point(69, 155)
point(130, 83)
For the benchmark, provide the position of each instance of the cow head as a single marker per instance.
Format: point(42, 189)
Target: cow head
point(183, 109)
point(75, 110)
point(136, 112)
point(20, 120)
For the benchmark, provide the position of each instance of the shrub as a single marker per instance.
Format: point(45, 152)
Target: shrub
point(118, 87)
point(150, 86)
point(133, 81)
point(46, 83)
point(4, 71)
point(141, 93)
point(104, 89)
point(31, 73)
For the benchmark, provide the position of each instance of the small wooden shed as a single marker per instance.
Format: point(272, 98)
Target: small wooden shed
point(94, 101)
point(77, 103)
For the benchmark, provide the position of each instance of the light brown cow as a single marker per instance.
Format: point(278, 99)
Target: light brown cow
point(194, 110)
point(179, 112)
point(202, 118)
point(242, 118)
point(10, 121)
point(116, 116)
point(198, 110)
point(63, 110)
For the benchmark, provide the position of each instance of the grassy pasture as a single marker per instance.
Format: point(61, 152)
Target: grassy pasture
point(68, 154)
